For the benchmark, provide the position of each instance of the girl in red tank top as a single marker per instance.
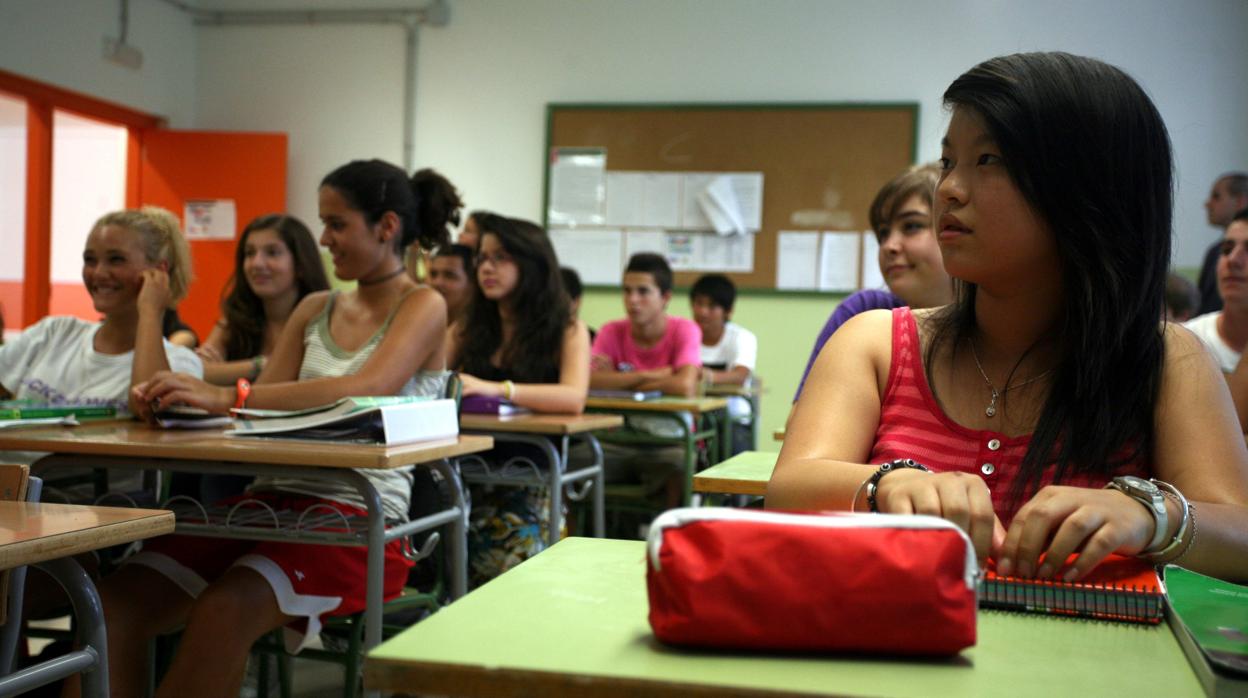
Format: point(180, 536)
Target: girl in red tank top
point(1047, 411)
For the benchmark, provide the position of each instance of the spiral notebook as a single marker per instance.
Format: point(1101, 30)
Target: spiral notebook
point(1120, 588)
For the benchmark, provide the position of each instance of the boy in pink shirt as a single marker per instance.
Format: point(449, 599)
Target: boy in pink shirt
point(650, 350)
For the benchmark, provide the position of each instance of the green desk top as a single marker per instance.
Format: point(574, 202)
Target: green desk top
point(745, 473)
point(572, 621)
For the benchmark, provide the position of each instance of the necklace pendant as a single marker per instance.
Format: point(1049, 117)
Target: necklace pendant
point(991, 410)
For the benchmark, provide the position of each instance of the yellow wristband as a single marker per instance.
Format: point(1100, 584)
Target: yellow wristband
point(509, 389)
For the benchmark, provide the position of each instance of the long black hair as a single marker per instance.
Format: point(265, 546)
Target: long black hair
point(241, 308)
point(425, 204)
point(1089, 152)
point(541, 306)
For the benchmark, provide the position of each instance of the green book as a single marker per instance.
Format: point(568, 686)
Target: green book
point(22, 409)
point(1210, 619)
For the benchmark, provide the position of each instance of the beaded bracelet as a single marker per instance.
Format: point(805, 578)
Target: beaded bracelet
point(884, 469)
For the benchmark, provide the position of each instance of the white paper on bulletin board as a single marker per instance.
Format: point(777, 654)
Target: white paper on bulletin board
point(643, 199)
point(838, 260)
point(871, 276)
point(210, 219)
point(578, 186)
point(596, 255)
point(797, 256)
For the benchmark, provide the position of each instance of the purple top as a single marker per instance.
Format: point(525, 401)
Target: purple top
point(859, 302)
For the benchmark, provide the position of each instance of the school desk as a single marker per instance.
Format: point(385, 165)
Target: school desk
point(745, 473)
point(47, 536)
point(752, 393)
point(676, 410)
point(129, 445)
point(538, 430)
point(572, 622)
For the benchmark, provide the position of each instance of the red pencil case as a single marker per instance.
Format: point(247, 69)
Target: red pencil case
point(872, 583)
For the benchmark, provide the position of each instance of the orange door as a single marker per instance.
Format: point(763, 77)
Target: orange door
point(246, 168)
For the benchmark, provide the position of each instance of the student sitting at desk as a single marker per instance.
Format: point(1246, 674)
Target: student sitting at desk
point(1018, 411)
point(650, 350)
point(276, 264)
point(729, 351)
point(383, 338)
point(451, 272)
point(136, 264)
point(519, 342)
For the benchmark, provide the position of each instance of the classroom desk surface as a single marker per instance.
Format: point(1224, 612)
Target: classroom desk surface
point(572, 622)
point(731, 390)
point(550, 424)
point(745, 473)
point(693, 405)
point(34, 532)
point(136, 439)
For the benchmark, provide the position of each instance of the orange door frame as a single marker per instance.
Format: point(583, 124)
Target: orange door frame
point(42, 100)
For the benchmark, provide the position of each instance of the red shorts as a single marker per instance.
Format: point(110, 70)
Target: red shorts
point(308, 581)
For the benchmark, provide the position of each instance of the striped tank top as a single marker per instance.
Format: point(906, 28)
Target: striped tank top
point(322, 358)
point(913, 425)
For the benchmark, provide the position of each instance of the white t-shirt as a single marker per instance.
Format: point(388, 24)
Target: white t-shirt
point(1206, 328)
point(55, 361)
point(737, 347)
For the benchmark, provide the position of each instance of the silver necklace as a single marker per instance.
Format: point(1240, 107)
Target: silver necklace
point(991, 409)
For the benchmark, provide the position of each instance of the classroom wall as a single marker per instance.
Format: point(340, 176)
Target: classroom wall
point(484, 79)
point(61, 42)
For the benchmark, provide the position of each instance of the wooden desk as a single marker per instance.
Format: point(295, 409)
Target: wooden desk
point(33, 532)
point(47, 536)
point(745, 473)
point(715, 409)
point(130, 445)
point(572, 622)
point(538, 430)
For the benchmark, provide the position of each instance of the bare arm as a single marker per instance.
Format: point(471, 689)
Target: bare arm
point(682, 382)
point(149, 346)
point(737, 375)
point(413, 342)
point(1201, 451)
point(217, 370)
point(565, 397)
point(1237, 381)
point(822, 464)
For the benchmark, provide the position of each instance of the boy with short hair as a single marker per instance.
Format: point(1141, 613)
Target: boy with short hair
point(452, 274)
point(650, 350)
point(728, 351)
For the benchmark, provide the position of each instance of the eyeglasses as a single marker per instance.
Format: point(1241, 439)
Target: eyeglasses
point(497, 258)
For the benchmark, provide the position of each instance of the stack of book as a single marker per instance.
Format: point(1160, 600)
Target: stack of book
point(382, 420)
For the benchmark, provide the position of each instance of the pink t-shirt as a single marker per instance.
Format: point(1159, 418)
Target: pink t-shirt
point(680, 346)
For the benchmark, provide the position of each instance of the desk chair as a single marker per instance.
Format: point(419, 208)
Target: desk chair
point(412, 604)
point(11, 631)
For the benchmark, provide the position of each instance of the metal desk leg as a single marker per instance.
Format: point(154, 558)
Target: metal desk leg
point(376, 559)
point(92, 660)
point(600, 487)
point(459, 529)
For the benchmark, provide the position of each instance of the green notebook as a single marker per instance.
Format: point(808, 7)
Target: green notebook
point(1210, 619)
point(25, 409)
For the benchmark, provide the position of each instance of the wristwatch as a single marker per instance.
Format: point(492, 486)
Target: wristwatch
point(1151, 496)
